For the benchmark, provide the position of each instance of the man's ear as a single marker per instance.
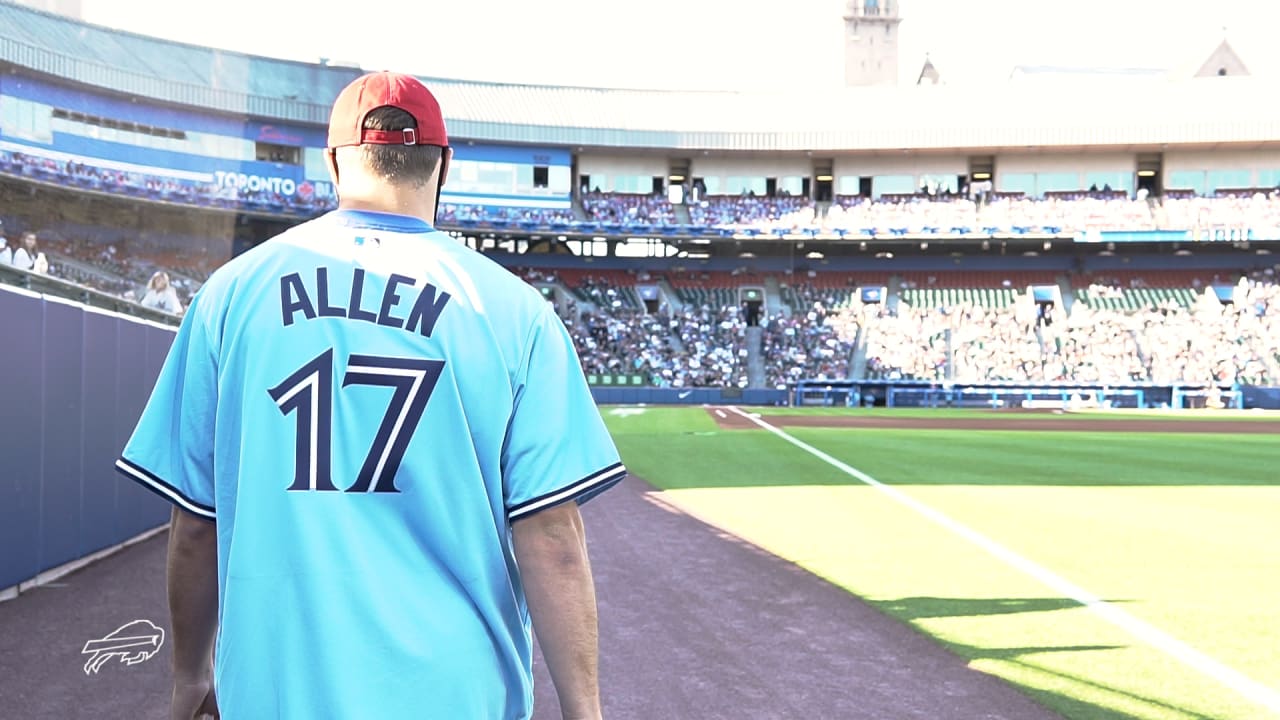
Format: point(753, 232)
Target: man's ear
point(445, 158)
point(331, 163)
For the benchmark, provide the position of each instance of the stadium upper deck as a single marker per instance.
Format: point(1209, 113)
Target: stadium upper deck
point(1010, 116)
point(109, 112)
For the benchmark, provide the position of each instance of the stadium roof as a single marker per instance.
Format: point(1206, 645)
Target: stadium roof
point(1154, 112)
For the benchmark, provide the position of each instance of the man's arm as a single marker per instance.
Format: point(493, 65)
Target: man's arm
point(193, 611)
point(551, 549)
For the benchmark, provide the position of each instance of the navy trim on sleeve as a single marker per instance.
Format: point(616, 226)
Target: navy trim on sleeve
point(581, 491)
point(153, 483)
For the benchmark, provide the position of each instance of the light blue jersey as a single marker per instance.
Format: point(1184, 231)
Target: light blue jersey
point(365, 405)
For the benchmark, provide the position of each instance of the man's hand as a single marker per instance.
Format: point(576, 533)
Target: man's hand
point(551, 550)
point(193, 700)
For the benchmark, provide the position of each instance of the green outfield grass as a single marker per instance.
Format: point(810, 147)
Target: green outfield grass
point(1177, 530)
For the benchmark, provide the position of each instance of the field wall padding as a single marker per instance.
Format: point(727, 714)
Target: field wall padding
point(73, 382)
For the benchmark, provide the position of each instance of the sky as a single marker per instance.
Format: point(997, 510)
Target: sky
point(708, 44)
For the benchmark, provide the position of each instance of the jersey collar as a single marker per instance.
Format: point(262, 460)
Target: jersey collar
point(371, 220)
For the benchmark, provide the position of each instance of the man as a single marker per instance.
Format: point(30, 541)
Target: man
point(24, 256)
point(374, 437)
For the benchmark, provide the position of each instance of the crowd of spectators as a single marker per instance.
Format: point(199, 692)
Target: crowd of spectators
point(607, 293)
point(900, 215)
point(1206, 343)
point(739, 212)
point(694, 347)
point(25, 255)
point(705, 343)
point(628, 209)
point(455, 214)
point(806, 345)
point(1228, 214)
point(1065, 213)
point(165, 187)
point(170, 278)
point(1225, 216)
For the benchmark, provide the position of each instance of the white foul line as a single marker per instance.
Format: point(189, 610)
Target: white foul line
point(1140, 629)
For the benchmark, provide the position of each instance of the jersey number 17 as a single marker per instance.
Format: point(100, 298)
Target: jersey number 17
point(307, 394)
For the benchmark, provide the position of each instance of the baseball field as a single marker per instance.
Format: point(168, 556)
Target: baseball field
point(1108, 566)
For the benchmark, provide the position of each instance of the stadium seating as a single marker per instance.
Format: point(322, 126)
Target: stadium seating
point(714, 289)
point(1158, 329)
point(607, 289)
point(1226, 216)
point(980, 289)
point(963, 326)
point(1129, 291)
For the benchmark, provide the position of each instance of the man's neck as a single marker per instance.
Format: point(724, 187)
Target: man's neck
point(394, 203)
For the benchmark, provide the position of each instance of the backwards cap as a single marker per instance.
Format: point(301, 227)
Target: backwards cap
point(375, 90)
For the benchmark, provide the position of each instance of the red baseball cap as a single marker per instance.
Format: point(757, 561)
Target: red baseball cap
point(375, 90)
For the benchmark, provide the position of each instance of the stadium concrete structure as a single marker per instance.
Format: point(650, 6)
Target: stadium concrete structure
point(185, 155)
point(114, 137)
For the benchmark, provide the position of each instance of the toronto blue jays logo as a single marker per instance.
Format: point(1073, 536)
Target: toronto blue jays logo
point(131, 643)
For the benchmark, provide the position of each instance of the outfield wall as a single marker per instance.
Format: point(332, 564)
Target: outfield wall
point(1004, 395)
point(688, 396)
point(75, 380)
point(908, 393)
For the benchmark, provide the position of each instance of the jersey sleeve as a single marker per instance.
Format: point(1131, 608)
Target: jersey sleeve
point(557, 448)
point(171, 450)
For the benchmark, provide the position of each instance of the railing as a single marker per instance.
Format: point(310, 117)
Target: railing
point(57, 287)
point(1014, 394)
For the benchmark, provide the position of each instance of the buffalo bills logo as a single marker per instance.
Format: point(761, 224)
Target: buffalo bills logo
point(131, 643)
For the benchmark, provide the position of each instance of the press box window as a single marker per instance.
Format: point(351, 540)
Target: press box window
point(269, 152)
point(540, 176)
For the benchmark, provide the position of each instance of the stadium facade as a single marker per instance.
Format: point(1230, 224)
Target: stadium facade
point(212, 120)
point(192, 154)
point(127, 134)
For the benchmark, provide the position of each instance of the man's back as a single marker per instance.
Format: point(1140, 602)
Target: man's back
point(383, 403)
